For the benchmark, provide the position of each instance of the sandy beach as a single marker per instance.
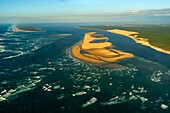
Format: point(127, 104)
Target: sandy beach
point(134, 36)
point(97, 53)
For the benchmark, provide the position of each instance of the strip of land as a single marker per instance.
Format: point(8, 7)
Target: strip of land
point(17, 29)
point(134, 35)
point(97, 53)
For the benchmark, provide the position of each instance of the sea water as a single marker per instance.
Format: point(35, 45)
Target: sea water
point(38, 75)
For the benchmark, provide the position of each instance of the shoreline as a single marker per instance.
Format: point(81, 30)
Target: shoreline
point(97, 53)
point(134, 36)
point(16, 29)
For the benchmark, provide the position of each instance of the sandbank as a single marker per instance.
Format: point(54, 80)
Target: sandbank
point(75, 51)
point(97, 53)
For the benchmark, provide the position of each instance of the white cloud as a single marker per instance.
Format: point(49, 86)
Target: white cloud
point(168, 14)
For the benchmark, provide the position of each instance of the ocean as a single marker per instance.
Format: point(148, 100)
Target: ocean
point(38, 75)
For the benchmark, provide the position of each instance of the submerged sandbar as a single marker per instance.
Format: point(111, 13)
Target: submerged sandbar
point(63, 35)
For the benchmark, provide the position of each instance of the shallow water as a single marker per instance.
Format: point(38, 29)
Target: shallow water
point(38, 75)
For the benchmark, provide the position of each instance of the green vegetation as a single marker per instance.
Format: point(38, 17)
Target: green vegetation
point(158, 35)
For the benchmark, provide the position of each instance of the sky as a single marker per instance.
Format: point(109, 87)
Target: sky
point(85, 11)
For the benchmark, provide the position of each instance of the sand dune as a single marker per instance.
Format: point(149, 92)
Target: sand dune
point(98, 53)
point(134, 36)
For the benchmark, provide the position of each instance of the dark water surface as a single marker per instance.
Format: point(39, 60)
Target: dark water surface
point(38, 75)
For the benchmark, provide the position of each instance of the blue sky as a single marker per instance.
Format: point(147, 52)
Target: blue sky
point(83, 10)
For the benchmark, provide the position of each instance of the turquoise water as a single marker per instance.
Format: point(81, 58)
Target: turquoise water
point(38, 75)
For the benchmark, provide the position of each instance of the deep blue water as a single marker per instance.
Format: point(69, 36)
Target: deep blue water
point(38, 75)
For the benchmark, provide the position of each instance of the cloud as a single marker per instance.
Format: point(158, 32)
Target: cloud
point(130, 13)
point(165, 15)
point(151, 12)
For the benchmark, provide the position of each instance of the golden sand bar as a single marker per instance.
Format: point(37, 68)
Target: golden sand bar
point(15, 28)
point(134, 36)
point(97, 53)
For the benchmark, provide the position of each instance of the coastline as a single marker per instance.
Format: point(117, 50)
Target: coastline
point(97, 53)
point(16, 29)
point(134, 36)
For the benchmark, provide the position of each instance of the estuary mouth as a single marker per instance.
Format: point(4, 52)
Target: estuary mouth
point(48, 72)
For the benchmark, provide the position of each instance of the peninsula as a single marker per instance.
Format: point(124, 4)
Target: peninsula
point(25, 29)
point(95, 49)
point(134, 35)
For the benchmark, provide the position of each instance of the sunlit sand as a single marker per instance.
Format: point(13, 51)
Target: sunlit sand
point(76, 53)
point(97, 52)
point(134, 36)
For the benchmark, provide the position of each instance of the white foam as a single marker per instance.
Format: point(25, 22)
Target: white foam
point(56, 87)
point(37, 77)
point(61, 97)
point(41, 69)
point(115, 100)
point(156, 76)
point(139, 90)
point(11, 91)
point(90, 102)
point(98, 89)
point(14, 56)
point(34, 73)
point(4, 82)
point(10, 28)
point(6, 94)
point(17, 70)
point(163, 106)
point(132, 95)
point(143, 99)
point(47, 87)
point(46, 68)
point(2, 49)
point(86, 87)
point(23, 86)
point(4, 91)
point(62, 88)
point(79, 93)
point(2, 99)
